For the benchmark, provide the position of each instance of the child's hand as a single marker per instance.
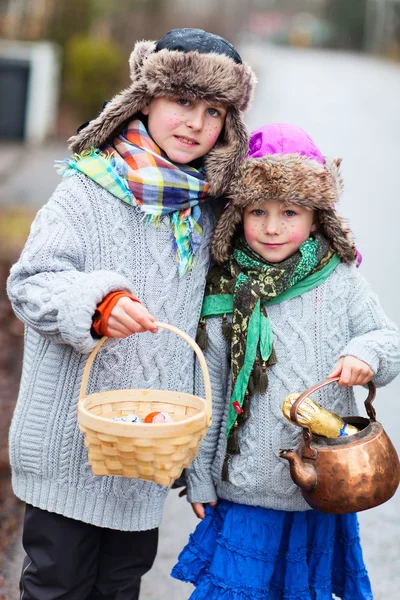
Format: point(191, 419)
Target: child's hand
point(352, 371)
point(198, 508)
point(129, 317)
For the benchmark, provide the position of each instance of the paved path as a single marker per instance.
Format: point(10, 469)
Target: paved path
point(27, 174)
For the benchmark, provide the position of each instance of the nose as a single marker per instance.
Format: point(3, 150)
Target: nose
point(195, 119)
point(272, 225)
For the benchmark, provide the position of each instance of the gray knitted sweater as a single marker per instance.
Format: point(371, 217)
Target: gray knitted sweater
point(85, 243)
point(340, 317)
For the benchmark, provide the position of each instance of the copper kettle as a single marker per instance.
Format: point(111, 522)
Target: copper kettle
point(345, 474)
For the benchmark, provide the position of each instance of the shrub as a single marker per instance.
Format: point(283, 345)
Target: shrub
point(92, 74)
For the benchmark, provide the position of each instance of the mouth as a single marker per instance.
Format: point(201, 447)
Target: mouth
point(186, 140)
point(273, 245)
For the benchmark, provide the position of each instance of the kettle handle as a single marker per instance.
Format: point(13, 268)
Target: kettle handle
point(295, 406)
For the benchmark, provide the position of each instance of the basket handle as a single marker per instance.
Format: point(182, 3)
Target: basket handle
point(184, 336)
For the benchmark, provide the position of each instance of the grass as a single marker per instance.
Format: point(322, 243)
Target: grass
point(14, 230)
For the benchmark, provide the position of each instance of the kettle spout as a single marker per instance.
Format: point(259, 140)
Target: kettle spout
point(303, 474)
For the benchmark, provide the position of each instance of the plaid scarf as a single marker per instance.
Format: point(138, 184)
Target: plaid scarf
point(135, 170)
point(249, 283)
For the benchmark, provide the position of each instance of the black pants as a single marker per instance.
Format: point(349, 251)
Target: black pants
point(71, 560)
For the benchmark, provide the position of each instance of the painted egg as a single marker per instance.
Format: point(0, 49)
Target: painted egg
point(158, 417)
point(130, 418)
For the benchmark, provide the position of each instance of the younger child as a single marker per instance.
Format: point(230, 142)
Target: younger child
point(298, 312)
point(129, 221)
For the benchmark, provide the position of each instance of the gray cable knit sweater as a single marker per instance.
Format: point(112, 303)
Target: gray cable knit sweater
point(85, 243)
point(338, 318)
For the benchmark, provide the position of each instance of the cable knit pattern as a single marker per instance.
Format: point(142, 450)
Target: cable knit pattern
point(338, 318)
point(85, 243)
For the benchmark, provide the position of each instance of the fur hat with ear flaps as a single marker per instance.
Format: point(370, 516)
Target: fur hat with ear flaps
point(283, 163)
point(189, 63)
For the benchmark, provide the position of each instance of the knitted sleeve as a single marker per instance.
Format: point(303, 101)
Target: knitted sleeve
point(200, 486)
point(375, 338)
point(48, 286)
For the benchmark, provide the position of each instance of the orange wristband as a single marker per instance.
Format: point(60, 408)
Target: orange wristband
point(104, 309)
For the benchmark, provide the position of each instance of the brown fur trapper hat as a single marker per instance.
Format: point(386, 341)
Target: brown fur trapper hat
point(283, 163)
point(189, 63)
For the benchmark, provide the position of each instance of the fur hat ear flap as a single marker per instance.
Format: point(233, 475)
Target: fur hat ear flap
point(123, 105)
point(333, 227)
point(138, 55)
point(221, 245)
point(224, 159)
point(333, 165)
point(331, 224)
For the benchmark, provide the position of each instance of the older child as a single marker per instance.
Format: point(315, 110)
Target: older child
point(129, 221)
point(298, 312)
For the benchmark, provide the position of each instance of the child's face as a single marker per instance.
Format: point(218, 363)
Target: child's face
point(184, 129)
point(275, 230)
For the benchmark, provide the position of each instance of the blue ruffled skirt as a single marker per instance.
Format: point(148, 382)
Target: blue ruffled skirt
point(243, 552)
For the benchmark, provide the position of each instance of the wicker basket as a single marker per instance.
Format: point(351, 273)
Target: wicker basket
point(152, 451)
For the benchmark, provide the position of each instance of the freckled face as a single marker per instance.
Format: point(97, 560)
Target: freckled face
point(184, 129)
point(275, 230)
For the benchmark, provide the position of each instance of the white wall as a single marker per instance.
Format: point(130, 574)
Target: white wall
point(43, 85)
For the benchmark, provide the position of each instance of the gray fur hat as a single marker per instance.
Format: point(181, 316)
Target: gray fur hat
point(283, 163)
point(190, 63)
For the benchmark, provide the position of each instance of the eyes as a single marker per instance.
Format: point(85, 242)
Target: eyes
point(258, 212)
point(213, 112)
point(183, 102)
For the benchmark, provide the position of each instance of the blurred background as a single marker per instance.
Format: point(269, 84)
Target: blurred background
point(330, 66)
